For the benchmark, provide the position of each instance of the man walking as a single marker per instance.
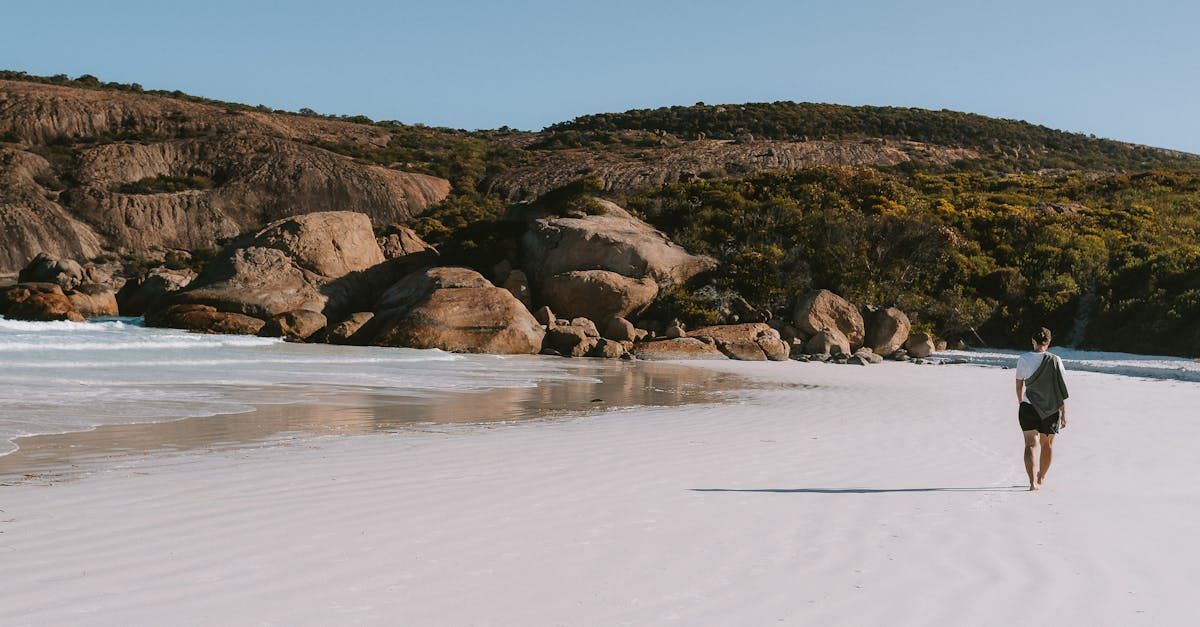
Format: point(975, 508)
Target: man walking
point(1042, 394)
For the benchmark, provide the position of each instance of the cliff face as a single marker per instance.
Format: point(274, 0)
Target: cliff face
point(31, 221)
point(85, 171)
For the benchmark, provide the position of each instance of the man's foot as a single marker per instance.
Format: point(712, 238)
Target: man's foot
point(1041, 481)
point(1034, 487)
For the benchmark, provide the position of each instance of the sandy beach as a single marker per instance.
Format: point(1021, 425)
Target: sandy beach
point(892, 494)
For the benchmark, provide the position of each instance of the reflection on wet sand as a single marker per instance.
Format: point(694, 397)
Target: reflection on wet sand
point(608, 384)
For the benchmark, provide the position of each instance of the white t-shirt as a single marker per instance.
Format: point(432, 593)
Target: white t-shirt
point(1028, 363)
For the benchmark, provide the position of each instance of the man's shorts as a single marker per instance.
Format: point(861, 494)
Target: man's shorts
point(1031, 421)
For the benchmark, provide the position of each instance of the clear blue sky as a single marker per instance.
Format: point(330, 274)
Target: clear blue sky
point(1124, 70)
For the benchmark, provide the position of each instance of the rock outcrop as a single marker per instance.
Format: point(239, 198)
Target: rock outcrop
point(821, 310)
point(457, 310)
point(32, 221)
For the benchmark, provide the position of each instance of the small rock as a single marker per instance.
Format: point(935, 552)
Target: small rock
point(589, 327)
point(300, 325)
point(545, 316)
point(345, 331)
point(619, 329)
point(517, 285)
point(607, 349)
point(920, 345)
point(500, 271)
point(829, 341)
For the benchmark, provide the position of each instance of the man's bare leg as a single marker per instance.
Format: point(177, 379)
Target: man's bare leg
point(1047, 444)
point(1031, 445)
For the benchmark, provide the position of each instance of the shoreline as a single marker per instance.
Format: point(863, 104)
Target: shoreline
point(609, 385)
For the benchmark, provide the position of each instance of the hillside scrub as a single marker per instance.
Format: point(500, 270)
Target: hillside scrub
point(963, 253)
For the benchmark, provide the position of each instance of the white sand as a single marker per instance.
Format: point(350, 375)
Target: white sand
point(882, 498)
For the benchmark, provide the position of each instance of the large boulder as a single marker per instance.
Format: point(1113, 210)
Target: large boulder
point(93, 300)
point(45, 268)
point(322, 262)
point(37, 302)
point(886, 330)
point(612, 240)
point(753, 341)
point(331, 244)
point(677, 348)
point(455, 309)
point(603, 264)
point(597, 294)
point(821, 310)
point(137, 295)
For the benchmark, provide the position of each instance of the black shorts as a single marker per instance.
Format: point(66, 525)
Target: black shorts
point(1031, 421)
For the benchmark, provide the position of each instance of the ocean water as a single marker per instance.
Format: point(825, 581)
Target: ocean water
point(1126, 364)
point(60, 377)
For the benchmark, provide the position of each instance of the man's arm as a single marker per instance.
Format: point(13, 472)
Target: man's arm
point(1020, 389)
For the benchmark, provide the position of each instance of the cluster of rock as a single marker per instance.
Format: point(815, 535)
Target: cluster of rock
point(49, 289)
point(60, 289)
point(826, 327)
point(327, 277)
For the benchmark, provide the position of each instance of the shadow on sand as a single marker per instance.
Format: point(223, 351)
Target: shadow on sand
point(861, 490)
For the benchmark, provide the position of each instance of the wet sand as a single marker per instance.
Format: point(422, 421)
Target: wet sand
point(610, 385)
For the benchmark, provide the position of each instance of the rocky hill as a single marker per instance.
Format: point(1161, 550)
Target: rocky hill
point(84, 171)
